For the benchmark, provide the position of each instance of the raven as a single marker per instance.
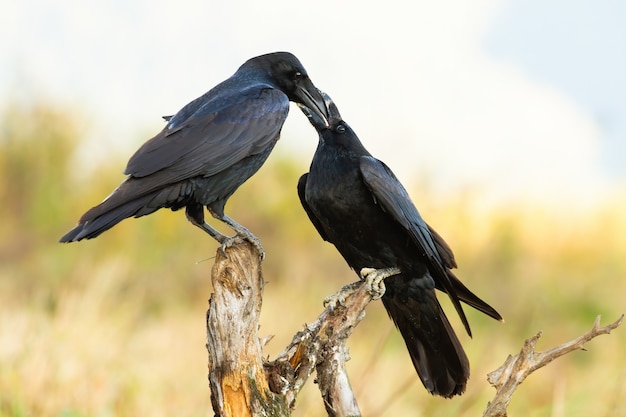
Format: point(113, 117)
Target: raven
point(356, 203)
point(209, 148)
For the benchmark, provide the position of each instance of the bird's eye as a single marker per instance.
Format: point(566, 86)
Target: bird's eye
point(297, 75)
point(340, 129)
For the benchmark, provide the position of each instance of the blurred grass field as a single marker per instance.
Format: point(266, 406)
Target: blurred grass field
point(115, 326)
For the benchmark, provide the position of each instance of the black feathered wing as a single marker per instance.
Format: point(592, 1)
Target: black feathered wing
point(210, 140)
point(215, 136)
point(393, 198)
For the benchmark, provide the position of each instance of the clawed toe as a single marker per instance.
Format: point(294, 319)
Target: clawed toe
point(339, 299)
point(238, 238)
point(365, 272)
point(374, 280)
point(257, 244)
point(229, 242)
point(375, 288)
point(332, 301)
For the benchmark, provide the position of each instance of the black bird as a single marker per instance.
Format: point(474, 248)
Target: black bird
point(357, 203)
point(209, 148)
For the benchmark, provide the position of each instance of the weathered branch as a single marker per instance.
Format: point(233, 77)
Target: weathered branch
point(238, 383)
point(321, 346)
point(515, 369)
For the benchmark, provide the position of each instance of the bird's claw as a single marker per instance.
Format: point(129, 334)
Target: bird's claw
point(239, 238)
point(339, 298)
point(374, 280)
point(374, 286)
point(257, 244)
point(229, 242)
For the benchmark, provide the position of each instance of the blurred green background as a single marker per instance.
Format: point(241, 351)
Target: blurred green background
point(115, 326)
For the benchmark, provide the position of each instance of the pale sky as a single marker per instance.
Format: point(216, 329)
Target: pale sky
point(516, 98)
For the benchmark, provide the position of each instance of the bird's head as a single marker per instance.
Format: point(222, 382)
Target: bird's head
point(288, 74)
point(336, 131)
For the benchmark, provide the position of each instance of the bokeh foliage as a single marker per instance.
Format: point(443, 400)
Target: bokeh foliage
point(115, 326)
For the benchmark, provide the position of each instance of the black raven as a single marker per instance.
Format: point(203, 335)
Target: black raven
point(357, 203)
point(209, 148)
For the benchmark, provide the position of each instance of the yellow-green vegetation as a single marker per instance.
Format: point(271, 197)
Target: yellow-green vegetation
point(115, 326)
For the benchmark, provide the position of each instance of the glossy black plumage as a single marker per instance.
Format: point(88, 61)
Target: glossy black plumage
point(356, 202)
point(209, 148)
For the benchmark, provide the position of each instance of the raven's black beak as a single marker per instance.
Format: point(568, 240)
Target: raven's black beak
point(330, 113)
point(312, 103)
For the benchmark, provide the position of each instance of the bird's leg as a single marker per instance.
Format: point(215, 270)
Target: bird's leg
point(195, 215)
point(242, 233)
point(373, 278)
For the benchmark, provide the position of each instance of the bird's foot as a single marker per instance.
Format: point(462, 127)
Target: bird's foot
point(242, 232)
point(374, 280)
point(256, 242)
point(339, 299)
point(239, 238)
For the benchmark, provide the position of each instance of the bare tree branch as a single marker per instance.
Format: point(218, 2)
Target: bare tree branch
point(236, 377)
point(321, 346)
point(515, 369)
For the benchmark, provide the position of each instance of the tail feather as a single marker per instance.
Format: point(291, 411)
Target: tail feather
point(89, 227)
point(130, 199)
point(435, 350)
point(471, 299)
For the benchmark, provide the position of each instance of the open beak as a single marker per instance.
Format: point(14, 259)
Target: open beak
point(324, 115)
point(313, 104)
